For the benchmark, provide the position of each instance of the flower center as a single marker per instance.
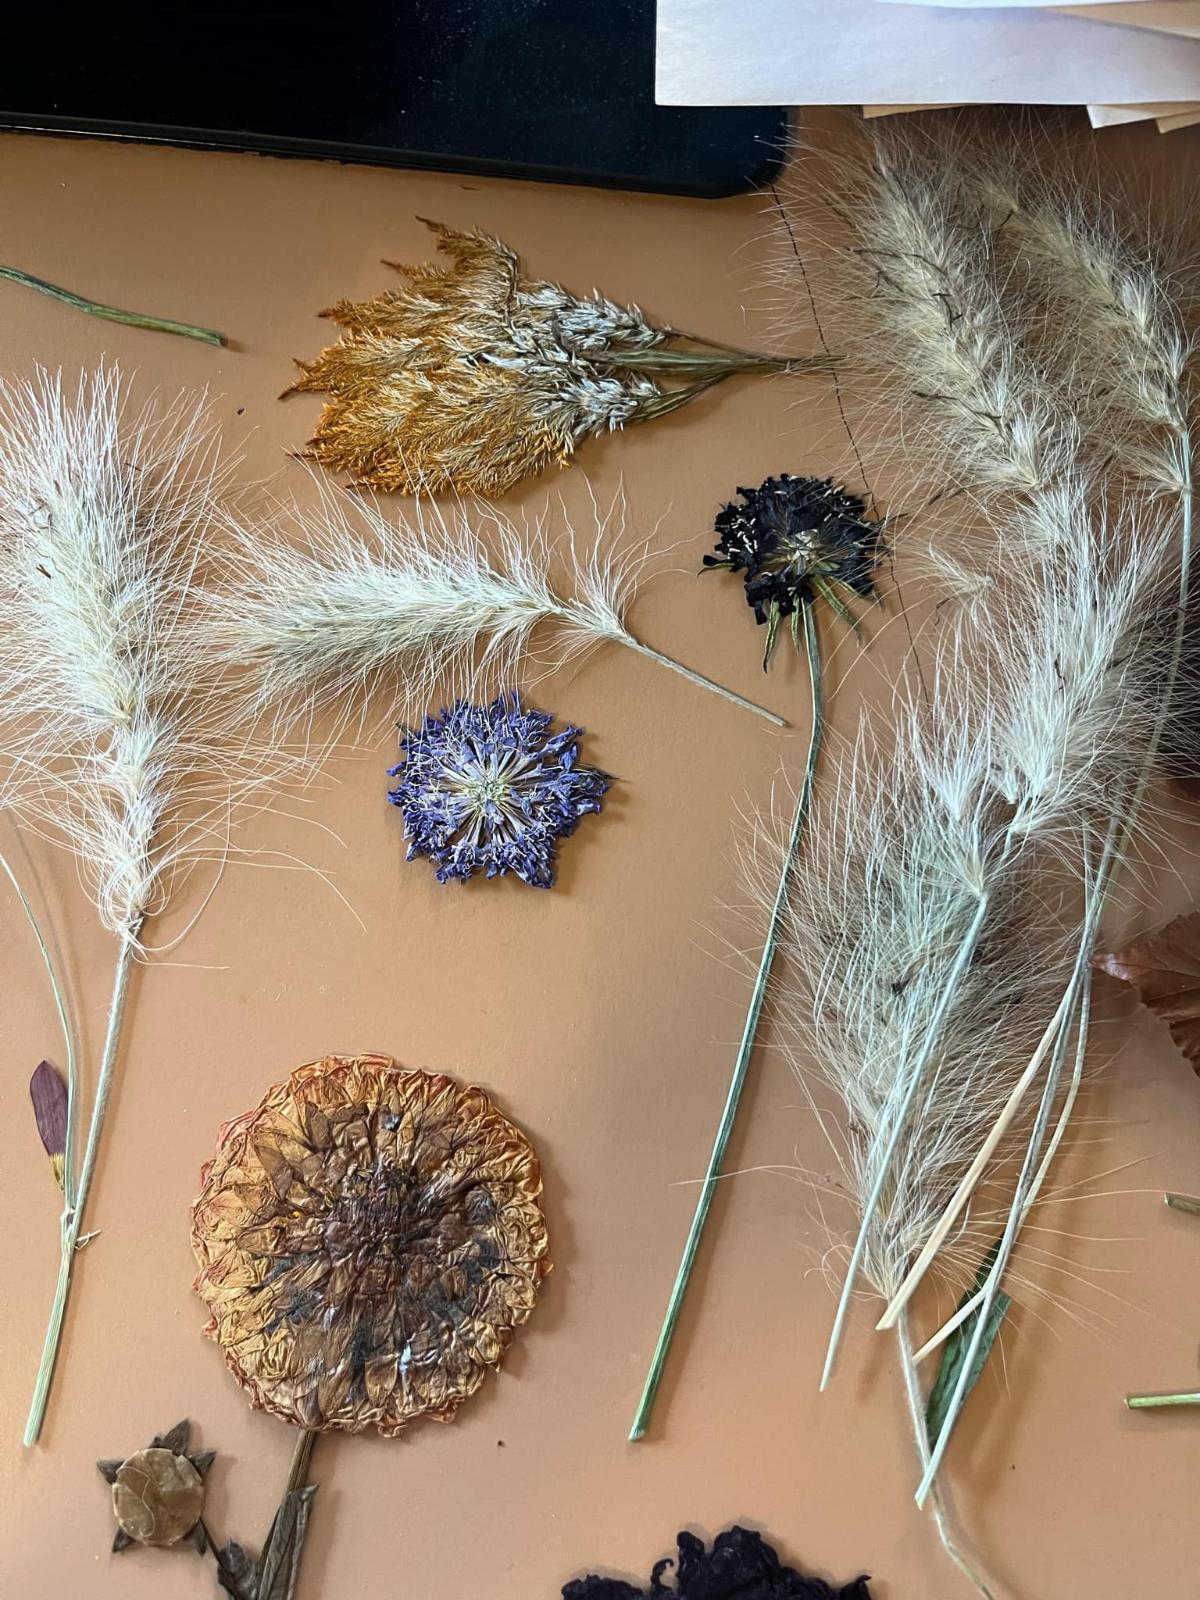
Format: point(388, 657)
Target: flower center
point(491, 791)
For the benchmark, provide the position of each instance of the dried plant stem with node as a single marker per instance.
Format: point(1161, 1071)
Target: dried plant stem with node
point(107, 733)
point(939, 946)
point(331, 603)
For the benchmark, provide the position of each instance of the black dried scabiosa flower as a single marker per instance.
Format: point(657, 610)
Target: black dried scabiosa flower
point(796, 540)
point(740, 1566)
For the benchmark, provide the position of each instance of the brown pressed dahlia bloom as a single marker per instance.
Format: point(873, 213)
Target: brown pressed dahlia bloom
point(368, 1239)
point(473, 376)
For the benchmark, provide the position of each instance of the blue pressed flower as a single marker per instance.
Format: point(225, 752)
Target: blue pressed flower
point(491, 789)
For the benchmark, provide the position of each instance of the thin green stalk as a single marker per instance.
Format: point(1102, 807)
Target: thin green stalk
point(95, 308)
point(962, 960)
point(1160, 1402)
point(742, 1062)
point(698, 677)
point(60, 1005)
point(938, 1507)
point(1017, 1210)
point(73, 1223)
point(1183, 1202)
point(972, 1305)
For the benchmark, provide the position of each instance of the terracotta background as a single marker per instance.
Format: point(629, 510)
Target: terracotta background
point(603, 1016)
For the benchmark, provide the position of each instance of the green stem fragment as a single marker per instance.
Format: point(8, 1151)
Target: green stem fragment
point(749, 1032)
point(1183, 1202)
point(95, 308)
point(1160, 1402)
point(73, 1219)
point(699, 678)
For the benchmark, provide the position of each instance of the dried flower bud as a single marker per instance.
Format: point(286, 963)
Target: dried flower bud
point(368, 1240)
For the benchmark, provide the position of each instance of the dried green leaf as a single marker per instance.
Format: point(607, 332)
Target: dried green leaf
point(281, 1560)
point(1164, 969)
point(957, 1345)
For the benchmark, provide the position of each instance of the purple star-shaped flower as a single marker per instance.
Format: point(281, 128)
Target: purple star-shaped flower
point(491, 789)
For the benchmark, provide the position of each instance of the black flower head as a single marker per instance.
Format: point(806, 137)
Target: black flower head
point(797, 539)
point(740, 1566)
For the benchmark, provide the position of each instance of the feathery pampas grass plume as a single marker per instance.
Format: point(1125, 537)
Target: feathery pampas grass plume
point(329, 604)
point(473, 376)
point(940, 956)
point(107, 735)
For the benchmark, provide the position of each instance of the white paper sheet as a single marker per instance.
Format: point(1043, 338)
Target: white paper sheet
point(1116, 116)
point(1187, 119)
point(1180, 17)
point(847, 52)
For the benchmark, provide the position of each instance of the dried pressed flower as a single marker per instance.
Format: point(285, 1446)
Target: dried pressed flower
point(796, 539)
point(473, 376)
point(490, 789)
point(740, 1566)
point(368, 1239)
point(158, 1493)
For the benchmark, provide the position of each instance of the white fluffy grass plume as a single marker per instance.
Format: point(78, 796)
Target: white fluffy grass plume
point(337, 601)
point(105, 722)
point(1038, 364)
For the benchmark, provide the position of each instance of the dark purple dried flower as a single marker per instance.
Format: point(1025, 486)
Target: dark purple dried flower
point(795, 539)
point(740, 1566)
point(490, 788)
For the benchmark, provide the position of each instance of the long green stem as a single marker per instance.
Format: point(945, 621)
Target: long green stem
point(938, 1507)
point(95, 308)
point(1160, 1402)
point(1013, 1222)
point(969, 1307)
point(60, 1005)
point(73, 1223)
point(698, 677)
point(749, 1032)
point(958, 966)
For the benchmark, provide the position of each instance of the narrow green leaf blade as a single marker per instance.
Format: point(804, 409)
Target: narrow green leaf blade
point(281, 1559)
point(955, 1350)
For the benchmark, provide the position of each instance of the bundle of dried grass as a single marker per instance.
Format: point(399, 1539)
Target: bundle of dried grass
point(110, 729)
point(940, 953)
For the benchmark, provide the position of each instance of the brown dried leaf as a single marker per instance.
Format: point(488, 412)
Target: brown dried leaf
point(1164, 968)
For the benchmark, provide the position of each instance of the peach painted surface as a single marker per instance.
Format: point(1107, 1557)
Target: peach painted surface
point(602, 1017)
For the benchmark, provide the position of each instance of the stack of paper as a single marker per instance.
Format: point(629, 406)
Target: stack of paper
point(1126, 60)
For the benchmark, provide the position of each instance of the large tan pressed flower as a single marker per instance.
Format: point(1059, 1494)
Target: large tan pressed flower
point(473, 376)
point(368, 1239)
